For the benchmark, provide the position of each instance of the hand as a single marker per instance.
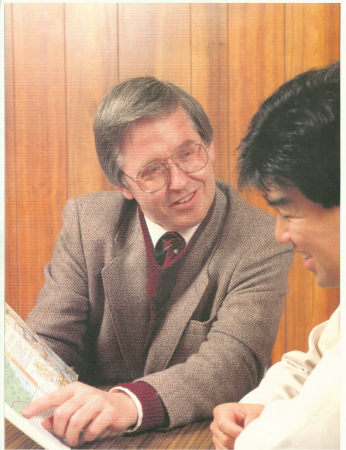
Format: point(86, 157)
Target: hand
point(229, 421)
point(81, 406)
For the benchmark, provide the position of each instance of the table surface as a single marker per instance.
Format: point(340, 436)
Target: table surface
point(193, 436)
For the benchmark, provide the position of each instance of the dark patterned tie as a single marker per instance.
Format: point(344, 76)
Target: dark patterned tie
point(168, 247)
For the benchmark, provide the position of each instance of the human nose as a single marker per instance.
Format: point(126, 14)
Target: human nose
point(282, 233)
point(177, 177)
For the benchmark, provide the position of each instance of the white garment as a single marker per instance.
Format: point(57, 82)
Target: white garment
point(156, 231)
point(301, 395)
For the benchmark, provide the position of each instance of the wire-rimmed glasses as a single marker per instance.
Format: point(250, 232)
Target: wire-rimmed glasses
point(154, 176)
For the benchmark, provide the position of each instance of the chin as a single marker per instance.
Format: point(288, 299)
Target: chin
point(328, 282)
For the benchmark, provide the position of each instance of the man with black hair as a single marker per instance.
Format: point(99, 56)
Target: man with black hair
point(292, 154)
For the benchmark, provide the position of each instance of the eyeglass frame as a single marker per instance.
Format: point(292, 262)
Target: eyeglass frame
point(167, 166)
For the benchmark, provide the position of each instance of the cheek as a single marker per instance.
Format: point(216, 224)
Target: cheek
point(154, 202)
point(205, 177)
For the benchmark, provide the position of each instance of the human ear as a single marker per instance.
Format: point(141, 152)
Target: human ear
point(211, 152)
point(126, 192)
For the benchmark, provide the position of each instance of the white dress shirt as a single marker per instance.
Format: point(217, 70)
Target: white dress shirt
point(301, 395)
point(156, 231)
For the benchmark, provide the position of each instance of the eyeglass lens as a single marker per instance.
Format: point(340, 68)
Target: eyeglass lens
point(153, 177)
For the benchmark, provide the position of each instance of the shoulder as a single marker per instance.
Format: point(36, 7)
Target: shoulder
point(102, 200)
point(246, 229)
point(241, 214)
point(99, 211)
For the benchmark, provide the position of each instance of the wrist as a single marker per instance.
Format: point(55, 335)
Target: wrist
point(154, 411)
point(137, 412)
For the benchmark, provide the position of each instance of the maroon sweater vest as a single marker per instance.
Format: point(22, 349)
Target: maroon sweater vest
point(160, 284)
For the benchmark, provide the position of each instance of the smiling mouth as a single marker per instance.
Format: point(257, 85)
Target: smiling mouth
point(184, 200)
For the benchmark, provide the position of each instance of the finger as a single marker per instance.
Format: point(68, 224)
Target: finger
point(47, 423)
point(223, 440)
point(80, 419)
point(99, 424)
point(63, 414)
point(219, 445)
point(229, 426)
point(254, 411)
point(51, 400)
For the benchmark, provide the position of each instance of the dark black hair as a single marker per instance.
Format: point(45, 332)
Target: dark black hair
point(294, 138)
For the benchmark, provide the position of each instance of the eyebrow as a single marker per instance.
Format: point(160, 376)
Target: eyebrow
point(176, 150)
point(281, 201)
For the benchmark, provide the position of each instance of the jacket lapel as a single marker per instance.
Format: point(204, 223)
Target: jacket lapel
point(128, 306)
point(185, 297)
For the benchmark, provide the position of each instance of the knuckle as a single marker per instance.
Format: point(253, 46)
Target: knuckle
point(96, 399)
point(75, 421)
point(59, 413)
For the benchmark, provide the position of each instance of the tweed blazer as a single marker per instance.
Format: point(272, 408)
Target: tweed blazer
point(221, 318)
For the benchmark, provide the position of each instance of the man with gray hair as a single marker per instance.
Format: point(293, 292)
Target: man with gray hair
point(167, 294)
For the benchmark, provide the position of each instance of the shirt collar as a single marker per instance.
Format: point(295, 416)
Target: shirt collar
point(156, 231)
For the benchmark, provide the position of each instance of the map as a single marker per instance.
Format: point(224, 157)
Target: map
point(32, 370)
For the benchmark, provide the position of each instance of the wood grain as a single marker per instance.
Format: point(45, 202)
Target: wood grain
point(154, 39)
point(209, 74)
point(256, 68)
point(11, 246)
point(312, 36)
point(39, 111)
point(193, 436)
point(91, 70)
point(62, 58)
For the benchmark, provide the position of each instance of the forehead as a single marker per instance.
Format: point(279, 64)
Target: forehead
point(157, 127)
point(157, 137)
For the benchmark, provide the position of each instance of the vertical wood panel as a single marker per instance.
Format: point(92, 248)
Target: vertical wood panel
point(256, 64)
point(11, 261)
point(312, 36)
point(39, 106)
point(312, 40)
point(154, 39)
point(256, 68)
point(91, 69)
point(229, 56)
point(307, 305)
point(209, 74)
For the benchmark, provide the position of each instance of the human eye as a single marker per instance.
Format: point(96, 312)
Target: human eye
point(286, 215)
point(187, 153)
point(151, 170)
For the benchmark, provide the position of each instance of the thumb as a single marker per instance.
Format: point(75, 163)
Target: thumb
point(249, 418)
point(252, 414)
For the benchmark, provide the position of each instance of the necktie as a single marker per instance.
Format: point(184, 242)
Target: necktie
point(168, 247)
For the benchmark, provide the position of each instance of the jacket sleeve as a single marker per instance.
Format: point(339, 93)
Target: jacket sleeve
point(64, 295)
point(232, 359)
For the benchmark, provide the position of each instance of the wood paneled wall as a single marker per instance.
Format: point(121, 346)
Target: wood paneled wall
point(62, 58)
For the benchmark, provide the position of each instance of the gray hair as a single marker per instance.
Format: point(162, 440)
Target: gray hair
point(133, 100)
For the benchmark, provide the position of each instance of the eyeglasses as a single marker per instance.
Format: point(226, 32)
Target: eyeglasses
point(155, 175)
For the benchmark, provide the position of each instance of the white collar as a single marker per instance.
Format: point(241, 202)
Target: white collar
point(156, 231)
